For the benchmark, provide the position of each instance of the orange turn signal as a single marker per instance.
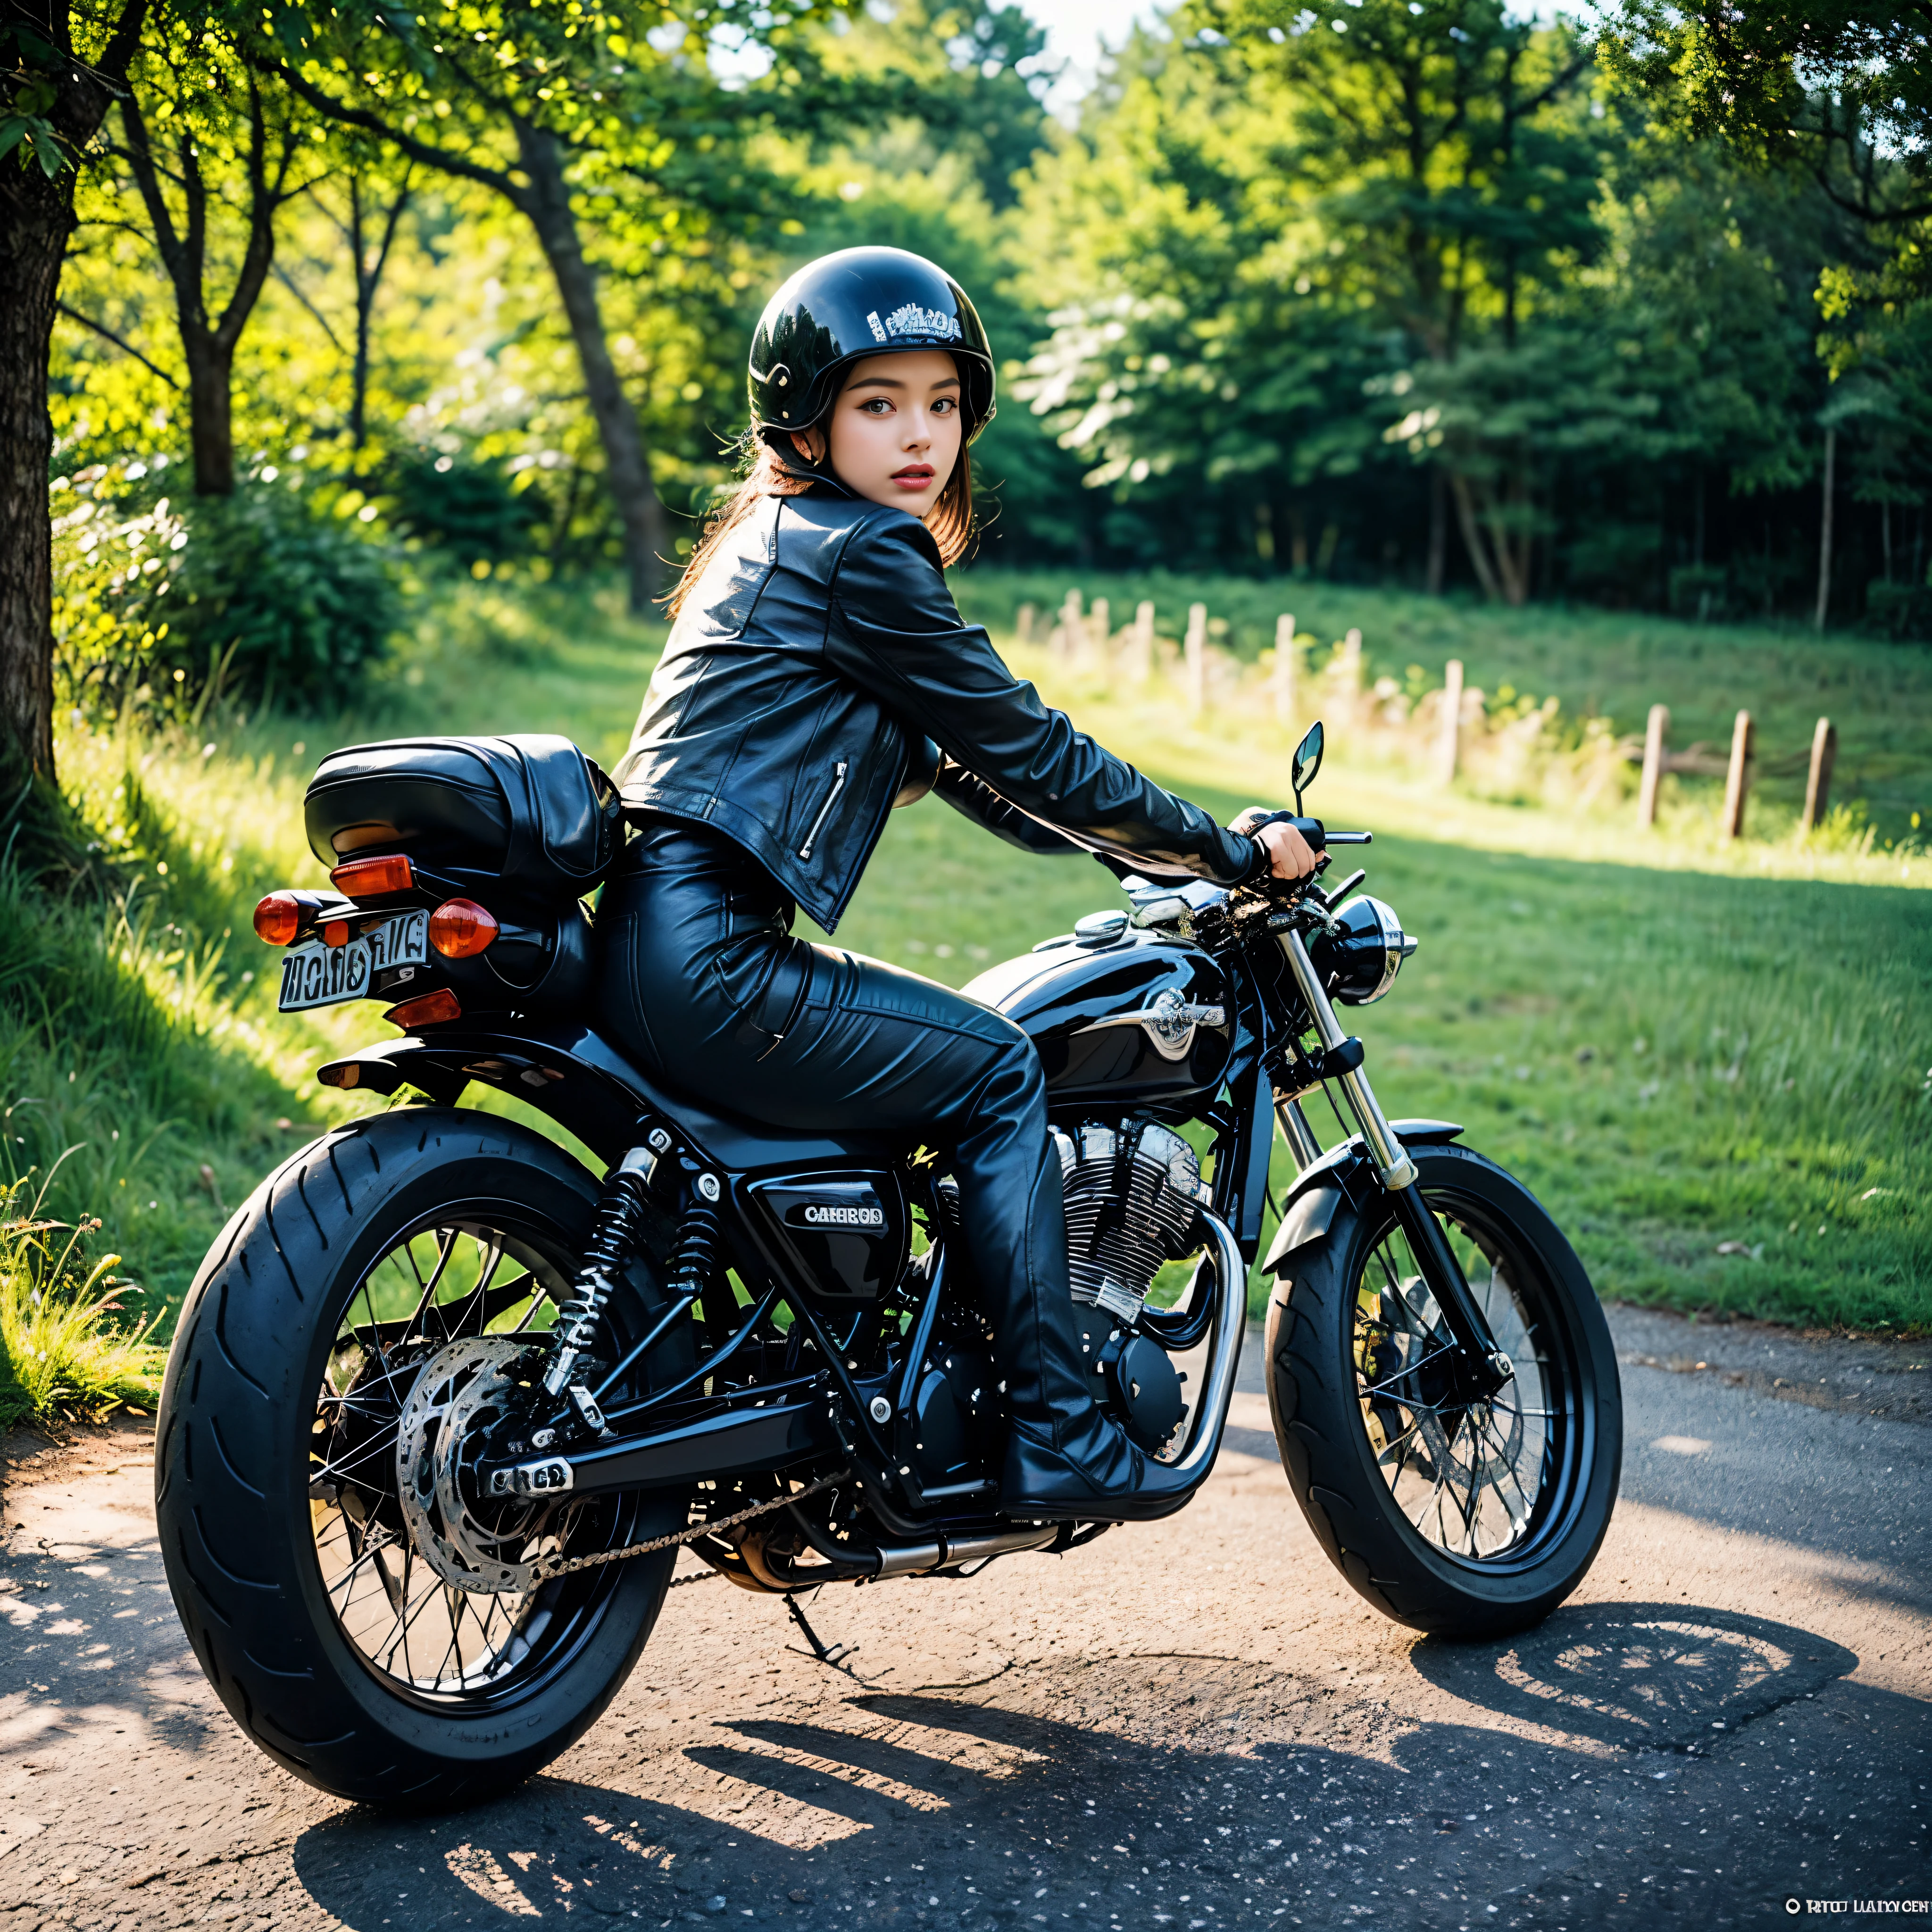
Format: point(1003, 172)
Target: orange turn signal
point(374, 878)
point(277, 917)
point(432, 1010)
point(460, 929)
point(335, 932)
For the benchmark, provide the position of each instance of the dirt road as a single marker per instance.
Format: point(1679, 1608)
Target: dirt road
point(1194, 1725)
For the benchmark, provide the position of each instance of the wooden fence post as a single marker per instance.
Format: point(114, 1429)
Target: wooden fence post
point(1737, 780)
point(1099, 633)
point(1450, 744)
point(1653, 764)
point(1023, 624)
point(1284, 670)
point(1197, 658)
point(1142, 648)
point(1069, 626)
point(1818, 786)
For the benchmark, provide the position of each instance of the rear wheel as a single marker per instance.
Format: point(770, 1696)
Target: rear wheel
point(1468, 1519)
point(372, 1622)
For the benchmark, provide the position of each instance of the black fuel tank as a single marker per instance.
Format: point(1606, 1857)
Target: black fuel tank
point(1121, 1016)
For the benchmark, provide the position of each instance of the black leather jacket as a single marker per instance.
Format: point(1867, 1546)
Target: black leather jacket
point(819, 673)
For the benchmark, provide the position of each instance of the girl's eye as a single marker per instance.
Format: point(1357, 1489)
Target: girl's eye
point(877, 405)
point(946, 404)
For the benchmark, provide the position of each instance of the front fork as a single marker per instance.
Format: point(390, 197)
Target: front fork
point(1484, 1366)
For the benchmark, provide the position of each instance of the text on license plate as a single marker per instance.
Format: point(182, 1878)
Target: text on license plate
point(315, 975)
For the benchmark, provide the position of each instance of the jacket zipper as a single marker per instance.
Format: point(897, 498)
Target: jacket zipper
point(825, 810)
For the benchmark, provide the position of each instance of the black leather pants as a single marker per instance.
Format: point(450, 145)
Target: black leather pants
point(702, 982)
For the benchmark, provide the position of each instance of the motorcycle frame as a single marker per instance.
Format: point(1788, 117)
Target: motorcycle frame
point(570, 1072)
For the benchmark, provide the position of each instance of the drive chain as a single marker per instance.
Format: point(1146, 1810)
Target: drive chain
point(545, 1569)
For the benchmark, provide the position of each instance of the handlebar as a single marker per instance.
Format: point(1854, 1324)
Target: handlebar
point(1317, 835)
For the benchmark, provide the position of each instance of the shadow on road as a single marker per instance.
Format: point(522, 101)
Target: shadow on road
point(1056, 1786)
point(1644, 1676)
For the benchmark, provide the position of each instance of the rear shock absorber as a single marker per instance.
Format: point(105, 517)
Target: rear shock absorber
point(694, 1265)
point(614, 1233)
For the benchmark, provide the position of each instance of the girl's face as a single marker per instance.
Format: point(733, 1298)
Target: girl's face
point(895, 431)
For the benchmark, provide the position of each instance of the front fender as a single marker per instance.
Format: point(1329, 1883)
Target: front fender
point(1342, 1174)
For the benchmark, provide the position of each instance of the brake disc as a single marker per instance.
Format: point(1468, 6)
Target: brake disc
point(463, 1385)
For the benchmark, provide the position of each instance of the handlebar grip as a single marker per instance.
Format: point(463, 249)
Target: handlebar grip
point(1310, 829)
point(1351, 838)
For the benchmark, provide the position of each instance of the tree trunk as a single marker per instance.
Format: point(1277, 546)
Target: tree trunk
point(211, 429)
point(368, 279)
point(36, 215)
point(627, 466)
point(365, 304)
point(1438, 528)
point(209, 348)
point(1825, 527)
point(36, 218)
point(1473, 539)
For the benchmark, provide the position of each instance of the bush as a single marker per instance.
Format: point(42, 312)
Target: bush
point(471, 509)
point(1700, 592)
point(1902, 611)
point(267, 592)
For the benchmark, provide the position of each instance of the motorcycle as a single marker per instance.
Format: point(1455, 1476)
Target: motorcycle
point(443, 1407)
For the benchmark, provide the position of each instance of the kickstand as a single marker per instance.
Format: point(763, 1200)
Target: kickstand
point(835, 1656)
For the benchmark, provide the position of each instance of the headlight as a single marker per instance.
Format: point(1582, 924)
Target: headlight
point(1358, 962)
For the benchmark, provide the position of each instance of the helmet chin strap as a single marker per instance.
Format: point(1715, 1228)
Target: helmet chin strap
point(799, 468)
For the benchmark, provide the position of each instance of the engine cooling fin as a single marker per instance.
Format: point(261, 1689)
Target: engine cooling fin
point(1134, 1193)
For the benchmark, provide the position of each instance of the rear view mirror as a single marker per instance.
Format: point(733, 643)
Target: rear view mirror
point(1307, 761)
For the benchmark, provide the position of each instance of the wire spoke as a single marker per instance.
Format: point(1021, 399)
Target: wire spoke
point(1490, 1464)
point(436, 1274)
point(399, 1611)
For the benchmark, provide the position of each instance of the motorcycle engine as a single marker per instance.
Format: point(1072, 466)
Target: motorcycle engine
point(1133, 1191)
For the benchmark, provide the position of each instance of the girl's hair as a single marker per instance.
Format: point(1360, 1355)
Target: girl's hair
point(950, 524)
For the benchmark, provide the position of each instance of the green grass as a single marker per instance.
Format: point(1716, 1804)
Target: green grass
point(1678, 1044)
point(69, 1350)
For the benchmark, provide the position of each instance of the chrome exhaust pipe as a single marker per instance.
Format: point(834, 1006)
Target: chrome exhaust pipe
point(948, 1553)
point(1210, 1417)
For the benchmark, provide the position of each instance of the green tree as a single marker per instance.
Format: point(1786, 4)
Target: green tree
point(544, 106)
point(1446, 150)
point(1843, 87)
point(216, 149)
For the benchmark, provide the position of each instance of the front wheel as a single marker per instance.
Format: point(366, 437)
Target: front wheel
point(1467, 1519)
point(373, 1624)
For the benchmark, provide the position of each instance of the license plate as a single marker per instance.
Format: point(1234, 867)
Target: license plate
point(315, 975)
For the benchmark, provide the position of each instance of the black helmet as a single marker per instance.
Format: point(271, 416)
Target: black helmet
point(860, 302)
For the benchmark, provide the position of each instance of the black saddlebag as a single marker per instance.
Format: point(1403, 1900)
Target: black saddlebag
point(530, 814)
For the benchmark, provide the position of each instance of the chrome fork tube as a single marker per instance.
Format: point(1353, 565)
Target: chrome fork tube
point(1487, 1367)
point(1393, 1165)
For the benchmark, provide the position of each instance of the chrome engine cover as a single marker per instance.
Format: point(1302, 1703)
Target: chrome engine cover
point(1133, 1196)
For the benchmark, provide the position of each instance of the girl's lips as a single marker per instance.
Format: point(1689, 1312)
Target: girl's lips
point(915, 476)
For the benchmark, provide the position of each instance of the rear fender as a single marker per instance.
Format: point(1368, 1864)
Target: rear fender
point(1344, 1173)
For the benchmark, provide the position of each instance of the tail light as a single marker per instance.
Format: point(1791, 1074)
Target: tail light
point(374, 878)
point(460, 929)
point(431, 1009)
point(277, 918)
point(335, 932)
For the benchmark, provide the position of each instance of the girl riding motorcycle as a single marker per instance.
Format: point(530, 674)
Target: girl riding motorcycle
point(818, 674)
